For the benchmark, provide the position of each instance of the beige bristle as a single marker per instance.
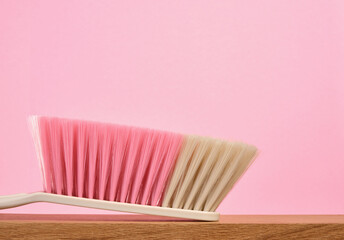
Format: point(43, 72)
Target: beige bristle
point(206, 170)
point(201, 152)
point(203, 173)
point(242, 165)
point(188, 147)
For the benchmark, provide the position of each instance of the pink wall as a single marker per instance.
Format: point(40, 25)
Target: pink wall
point(265, 72)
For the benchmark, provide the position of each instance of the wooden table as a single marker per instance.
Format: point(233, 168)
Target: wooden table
point(27, 226)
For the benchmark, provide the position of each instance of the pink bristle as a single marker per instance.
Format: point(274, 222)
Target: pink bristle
point(119, 151)
point(167, 165)
point(153, 167)
point(146, 154)
point(114, 166)
point(105, 147)
point(46, 154)
point(106, 161)
point(81, 159)
point(68, 149)
point(92, 159)
point(158, 170)
point(136, 136)
point(59, 166)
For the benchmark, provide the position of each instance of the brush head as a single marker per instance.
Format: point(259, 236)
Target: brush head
point(136, 165)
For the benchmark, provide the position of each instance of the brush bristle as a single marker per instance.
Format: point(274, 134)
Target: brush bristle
point(136, 165)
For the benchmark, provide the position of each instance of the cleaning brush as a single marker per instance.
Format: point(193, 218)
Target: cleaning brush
point(131, 169)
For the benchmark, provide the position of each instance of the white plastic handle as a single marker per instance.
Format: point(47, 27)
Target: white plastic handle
point(16, 200)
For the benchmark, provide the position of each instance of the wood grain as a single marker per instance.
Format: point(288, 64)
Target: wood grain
point(27, 226)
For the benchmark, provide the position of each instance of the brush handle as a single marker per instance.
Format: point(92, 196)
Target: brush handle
point(16, 200)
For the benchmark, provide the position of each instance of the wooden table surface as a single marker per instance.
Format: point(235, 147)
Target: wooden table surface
point(31, 226)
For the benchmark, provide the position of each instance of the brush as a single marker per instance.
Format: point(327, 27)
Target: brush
point(132, 169)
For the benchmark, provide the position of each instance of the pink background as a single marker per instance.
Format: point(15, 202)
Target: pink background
point(269, 73)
